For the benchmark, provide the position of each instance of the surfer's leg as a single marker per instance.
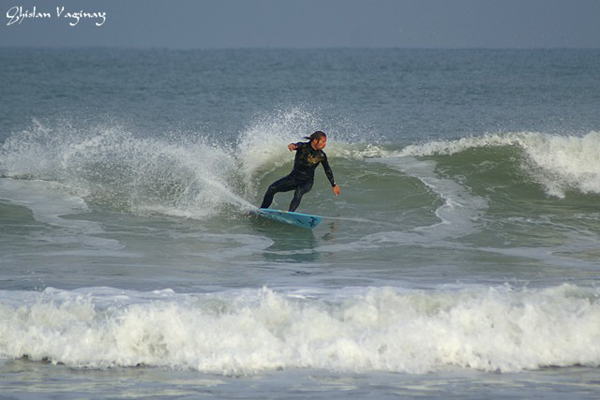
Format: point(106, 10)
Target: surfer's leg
point(300, 191)
point(284, 184)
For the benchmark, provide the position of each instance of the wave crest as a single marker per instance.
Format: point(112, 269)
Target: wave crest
point(559, 163)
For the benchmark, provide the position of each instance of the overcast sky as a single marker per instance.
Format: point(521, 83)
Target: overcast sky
point(304, 23)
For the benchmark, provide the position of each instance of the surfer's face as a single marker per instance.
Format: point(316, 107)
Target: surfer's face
point(319, 144)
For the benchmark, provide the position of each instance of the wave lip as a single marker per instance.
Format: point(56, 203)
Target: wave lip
point(559, 163)
point(369, 329)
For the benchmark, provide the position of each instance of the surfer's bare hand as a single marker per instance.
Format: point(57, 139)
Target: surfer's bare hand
point(336, 190)
point(292, 146)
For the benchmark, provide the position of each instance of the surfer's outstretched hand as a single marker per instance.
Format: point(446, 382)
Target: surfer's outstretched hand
point(336, 190)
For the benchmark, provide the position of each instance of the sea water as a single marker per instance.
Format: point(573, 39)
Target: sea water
point(460, 261)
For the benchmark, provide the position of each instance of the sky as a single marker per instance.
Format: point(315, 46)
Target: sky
point(207, 24)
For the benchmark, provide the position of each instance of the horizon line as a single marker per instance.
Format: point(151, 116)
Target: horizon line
point(174, 48)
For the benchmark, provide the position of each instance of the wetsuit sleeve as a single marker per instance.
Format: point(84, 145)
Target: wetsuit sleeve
point(328, 171)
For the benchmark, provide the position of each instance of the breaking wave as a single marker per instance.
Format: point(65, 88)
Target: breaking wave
point(559, 163)
point(353, 329)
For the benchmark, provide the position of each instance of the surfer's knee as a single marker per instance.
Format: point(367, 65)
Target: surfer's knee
point(272, 189)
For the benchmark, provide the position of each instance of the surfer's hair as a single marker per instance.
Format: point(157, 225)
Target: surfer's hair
point(318, 135)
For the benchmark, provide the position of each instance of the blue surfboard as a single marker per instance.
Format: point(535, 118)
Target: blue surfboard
point(288, 217)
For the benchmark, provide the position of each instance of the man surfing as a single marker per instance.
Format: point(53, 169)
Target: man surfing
point(308, 156)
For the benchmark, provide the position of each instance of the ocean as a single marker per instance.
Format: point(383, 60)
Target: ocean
point(461, 259)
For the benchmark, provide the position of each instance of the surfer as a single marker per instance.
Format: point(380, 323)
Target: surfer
point(308, 156)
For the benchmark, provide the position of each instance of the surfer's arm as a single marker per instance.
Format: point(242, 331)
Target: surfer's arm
point(329, 174)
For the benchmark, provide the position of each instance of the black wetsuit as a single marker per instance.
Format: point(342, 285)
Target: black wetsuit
point(302, 176)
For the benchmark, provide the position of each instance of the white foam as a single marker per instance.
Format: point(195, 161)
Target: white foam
point(559, 163)
point(368, 329)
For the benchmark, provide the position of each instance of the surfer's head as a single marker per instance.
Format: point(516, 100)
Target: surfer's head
point(318, 140)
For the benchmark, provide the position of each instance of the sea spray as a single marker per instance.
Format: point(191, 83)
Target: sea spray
point(187, 174)
point(109, 165)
